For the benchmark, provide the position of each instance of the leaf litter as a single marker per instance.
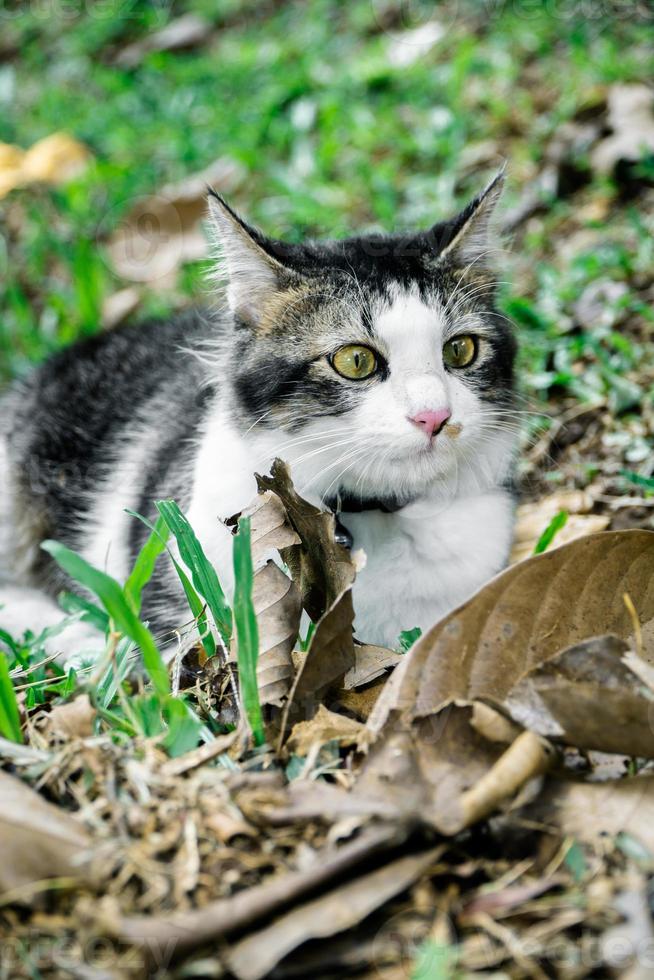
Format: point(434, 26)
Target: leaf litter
point(481, 764)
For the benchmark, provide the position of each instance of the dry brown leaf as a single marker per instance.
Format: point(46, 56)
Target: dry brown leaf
point(325, 726)
point(163, 231)
point(523, 617)
point(589, 810)
point(120, 305)
point(276, 598)
point(370, 662)
point(180, 34)
point(361, 701)
point(442, 773)
point(329, 657)
point(38, 840)
point(533, 518)
point(630, 119)
point(322, 567)
point(54, 160)
point(254, 957)
point(11, 157)
point(278, 609)
point(493, 725)
point(72, 720)
point(588, 697)
point(269, 527)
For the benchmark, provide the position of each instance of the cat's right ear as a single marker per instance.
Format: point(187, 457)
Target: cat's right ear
point(252, 273)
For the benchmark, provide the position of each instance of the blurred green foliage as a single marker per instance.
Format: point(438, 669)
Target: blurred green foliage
point(338, 120)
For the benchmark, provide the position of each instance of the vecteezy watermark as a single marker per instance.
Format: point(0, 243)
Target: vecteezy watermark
point(404, 941)
point(418, 24)
point(67, 11)
point(95, 952)
point(425, 943)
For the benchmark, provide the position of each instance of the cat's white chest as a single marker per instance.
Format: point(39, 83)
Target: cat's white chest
point(424, 561)
point(421, 561)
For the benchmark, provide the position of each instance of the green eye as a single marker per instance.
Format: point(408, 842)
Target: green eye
point(354, 362)
point(459, 352)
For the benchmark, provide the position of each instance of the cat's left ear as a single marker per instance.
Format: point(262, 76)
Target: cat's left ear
point(253, 273)
point(470, 236)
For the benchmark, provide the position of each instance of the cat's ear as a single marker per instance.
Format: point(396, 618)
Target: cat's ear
point(252, 273)
point(470, 236)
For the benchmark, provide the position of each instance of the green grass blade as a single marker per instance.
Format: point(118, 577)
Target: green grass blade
point(116, 672)
point(71, 604)
point(10, 643)
point(247, 632)
point(113, 599)
point(144, 565)
point(550, 532)
point(646, 482)
point(184, 727)
point(203, 574)
point(407, 638)
point(197, 607)
point(9, 714)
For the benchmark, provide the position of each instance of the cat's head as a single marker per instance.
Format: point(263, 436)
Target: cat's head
point(376, 365)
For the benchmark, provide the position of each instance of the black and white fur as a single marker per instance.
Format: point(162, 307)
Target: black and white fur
point(191, 408)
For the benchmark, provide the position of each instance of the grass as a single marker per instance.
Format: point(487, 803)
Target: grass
point(154, 711)
point(557, 524)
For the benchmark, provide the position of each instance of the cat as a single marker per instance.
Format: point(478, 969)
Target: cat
point(377, 366)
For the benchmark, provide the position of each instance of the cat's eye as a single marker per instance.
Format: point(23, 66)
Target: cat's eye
point(459, 352)
point(354, 362)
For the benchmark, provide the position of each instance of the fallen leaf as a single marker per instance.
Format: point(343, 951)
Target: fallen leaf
point(276, 598)
point(255, 956)
point(325, 726)
point(596, 308)
point(370, 662)
point(323, 568)
point(533, 518)
point(55, 159)
point(630, 119)
point(442, 773)
point(117, 307)
point(360, 701)
point(11, 157)
point(407, 47)
point(162, 232)
point(39, 840)
point(73, 719)
point(180, 34)
point(329, 657)
point(269, 527)
point(521, 618)
point(278, 610)
point(493, 725)
point(588, 811)
point(588, 697)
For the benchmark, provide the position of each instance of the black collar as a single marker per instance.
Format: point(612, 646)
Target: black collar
point(347, 503)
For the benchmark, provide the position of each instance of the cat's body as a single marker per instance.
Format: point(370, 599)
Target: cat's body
point(193, 407)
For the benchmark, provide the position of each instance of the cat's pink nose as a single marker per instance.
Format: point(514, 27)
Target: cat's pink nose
point(431, 421)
